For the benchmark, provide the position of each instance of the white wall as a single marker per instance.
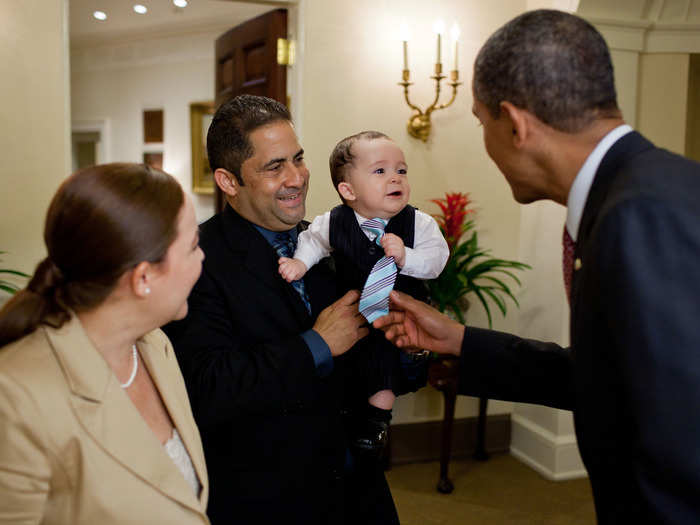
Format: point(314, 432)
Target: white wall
point(34, 145)
point(117, 82)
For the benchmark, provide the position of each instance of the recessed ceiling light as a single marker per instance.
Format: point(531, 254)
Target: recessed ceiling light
point(100, 15)
point(140, 9)
point(180, 3)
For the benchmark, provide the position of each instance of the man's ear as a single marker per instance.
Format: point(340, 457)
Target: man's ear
point(346, 191)
point(518, 121)
point(226, 181)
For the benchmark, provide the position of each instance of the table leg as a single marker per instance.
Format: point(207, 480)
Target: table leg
point(444, 485)
point(480, 453)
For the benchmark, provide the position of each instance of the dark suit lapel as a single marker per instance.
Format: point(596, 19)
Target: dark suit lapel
point(259, 259)
point(627, 147)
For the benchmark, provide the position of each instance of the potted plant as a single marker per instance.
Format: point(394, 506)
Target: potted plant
point(9, 286)
point(470, 269)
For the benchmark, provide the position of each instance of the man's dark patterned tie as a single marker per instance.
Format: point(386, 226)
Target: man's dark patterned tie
point(284, 245)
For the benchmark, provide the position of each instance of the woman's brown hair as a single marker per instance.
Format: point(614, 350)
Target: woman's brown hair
point(103, 221)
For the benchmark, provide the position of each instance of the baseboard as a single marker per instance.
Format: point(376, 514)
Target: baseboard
point(413, 442)
point(555, 457)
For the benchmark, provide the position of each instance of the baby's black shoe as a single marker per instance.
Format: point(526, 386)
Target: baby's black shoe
point(372, 434)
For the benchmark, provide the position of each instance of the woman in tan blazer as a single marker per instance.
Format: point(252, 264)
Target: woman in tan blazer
point(95, 423)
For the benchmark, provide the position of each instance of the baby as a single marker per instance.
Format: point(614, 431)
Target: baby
point(369, 172)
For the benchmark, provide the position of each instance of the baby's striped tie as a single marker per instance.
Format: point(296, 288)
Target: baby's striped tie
point(374, 301)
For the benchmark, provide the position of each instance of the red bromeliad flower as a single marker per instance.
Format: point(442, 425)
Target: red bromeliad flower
point(454, 211)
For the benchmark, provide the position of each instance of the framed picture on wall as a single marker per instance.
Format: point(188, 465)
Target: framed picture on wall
point(201, 114)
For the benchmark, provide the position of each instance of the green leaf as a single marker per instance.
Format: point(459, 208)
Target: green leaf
point(8, 287)
point(13, 272)
point(496, 299)
point(484, 304)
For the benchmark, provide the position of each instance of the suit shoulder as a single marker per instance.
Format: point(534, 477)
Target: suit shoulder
point(658, 175)
point(210, 229)
point(31, 377)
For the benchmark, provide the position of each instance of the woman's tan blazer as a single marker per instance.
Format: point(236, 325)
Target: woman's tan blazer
point(73, 447)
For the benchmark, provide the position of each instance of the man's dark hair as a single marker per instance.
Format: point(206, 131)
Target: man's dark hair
point(342, 156)
point(551, 63)
point(228, 138)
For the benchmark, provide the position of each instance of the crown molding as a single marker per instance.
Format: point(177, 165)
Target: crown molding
point(645, 36)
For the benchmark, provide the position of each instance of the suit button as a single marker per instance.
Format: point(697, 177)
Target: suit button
point(372, 250)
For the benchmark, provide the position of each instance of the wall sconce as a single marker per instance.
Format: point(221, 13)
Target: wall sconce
point(419, 123)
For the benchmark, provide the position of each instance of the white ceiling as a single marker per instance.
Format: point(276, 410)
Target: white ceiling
point(162, 18)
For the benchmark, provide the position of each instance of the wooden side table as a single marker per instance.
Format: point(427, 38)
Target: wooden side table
point(443, 375)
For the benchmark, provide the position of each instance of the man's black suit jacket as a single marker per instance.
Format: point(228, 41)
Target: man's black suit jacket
point(272, 429)
point(632, 374)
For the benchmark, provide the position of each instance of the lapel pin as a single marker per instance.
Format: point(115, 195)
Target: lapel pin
point(577, 264)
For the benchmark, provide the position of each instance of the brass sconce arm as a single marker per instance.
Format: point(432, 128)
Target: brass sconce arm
point(454, 76)
point(405, 84)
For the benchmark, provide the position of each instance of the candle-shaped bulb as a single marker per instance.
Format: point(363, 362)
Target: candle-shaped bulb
point(439, 28)
point(455, 38)
point(404, 35)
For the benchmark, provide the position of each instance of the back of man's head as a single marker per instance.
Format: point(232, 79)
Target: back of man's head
point(228, 138)
point(551, 63)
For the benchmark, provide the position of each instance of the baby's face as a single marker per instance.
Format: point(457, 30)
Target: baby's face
point(378, 179)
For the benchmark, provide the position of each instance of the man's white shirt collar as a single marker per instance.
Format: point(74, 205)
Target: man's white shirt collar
point(584, 179)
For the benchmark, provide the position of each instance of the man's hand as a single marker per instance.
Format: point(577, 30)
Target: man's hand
point(394, 247)
point(341, 324)
point(291, 269)
point(412, 324)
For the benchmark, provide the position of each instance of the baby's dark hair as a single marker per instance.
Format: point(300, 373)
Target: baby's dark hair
point(342, 156)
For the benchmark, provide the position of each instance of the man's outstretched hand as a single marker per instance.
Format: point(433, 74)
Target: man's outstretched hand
point(413, 325)
point(341, 325)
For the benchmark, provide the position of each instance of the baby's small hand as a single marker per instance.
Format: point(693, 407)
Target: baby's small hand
point(291, 269)
point(393, 247)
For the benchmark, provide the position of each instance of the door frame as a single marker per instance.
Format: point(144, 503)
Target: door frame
point(101, 126)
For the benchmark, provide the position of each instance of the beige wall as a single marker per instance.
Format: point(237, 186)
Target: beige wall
point(663, 99)
point(352, 63)
point(34, 115)
point(626, 65)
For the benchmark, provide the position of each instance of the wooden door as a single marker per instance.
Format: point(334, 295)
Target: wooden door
point(246, 63)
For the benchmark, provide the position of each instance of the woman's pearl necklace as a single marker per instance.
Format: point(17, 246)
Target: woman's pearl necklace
point(135, 359)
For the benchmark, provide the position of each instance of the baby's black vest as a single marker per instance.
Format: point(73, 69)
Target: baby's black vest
point(355, 254)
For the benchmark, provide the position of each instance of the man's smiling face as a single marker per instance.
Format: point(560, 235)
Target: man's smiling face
point(275, 179)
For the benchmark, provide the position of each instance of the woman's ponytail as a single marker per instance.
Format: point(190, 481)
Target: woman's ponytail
point(38, 302)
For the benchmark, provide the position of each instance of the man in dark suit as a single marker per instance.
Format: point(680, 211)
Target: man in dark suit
point(544, 93)
point(262, 358)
